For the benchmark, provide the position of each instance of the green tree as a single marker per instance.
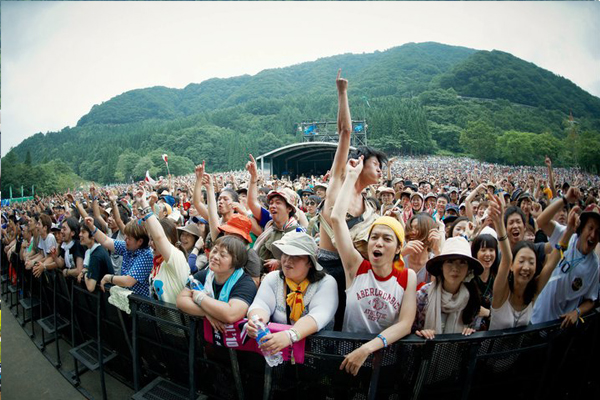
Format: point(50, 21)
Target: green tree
point(479, 139)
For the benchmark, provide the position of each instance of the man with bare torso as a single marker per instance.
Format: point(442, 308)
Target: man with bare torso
point(360, 214)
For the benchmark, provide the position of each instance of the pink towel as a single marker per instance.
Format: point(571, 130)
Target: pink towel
point(236, 337)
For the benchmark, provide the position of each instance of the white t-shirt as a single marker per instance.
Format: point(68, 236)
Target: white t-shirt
point(373, 303)
point(320, 299)
point(169, 278)
point(47, 244)
point(565, 291)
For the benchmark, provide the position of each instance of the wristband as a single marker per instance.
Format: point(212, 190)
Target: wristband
point(111, 279)
point(503, 238)
point(145, 218)
point(198, 297)
point(565, 202)
point(383, 339)
point(294, 335)
point(95, 230)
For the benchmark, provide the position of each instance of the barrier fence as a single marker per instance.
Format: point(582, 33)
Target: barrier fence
point(163, 353)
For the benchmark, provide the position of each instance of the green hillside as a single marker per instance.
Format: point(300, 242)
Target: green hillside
point(417, 99)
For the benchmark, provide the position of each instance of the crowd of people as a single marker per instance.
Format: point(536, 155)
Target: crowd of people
point(382, 246)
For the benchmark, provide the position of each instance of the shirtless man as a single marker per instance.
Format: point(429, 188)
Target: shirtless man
point(361, 215)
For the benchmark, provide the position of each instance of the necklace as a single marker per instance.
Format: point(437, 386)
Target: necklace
point(516, 314)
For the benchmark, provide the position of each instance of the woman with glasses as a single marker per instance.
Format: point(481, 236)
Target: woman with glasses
point(516, 286)
point(312, 214)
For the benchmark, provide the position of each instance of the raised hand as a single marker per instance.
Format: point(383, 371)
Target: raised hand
point(341, 83)
point(536, 210)
point(140, 197)
point(200, 171)
point(548, 162)
point(89, 222)
point(573, 219)
point(251, 168)
point(573, 195)
point(355, 166)
point(496, 210)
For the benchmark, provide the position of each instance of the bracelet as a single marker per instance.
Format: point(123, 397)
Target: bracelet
point(560, 246)
point(249, 214)
point(383, 339)
point(95, 230)
point(578, 312)
point(503, 238)
point(111, 279)
point(565, 202)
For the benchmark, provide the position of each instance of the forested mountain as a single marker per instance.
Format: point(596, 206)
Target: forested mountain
point(417, 99)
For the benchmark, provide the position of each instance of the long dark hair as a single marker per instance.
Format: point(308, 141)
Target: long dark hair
point(530, 288)
point(473, 305)
point(486, 241)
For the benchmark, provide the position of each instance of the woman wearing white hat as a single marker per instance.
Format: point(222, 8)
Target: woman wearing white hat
point(380, 292)
point(300, 294)
point(450, 303)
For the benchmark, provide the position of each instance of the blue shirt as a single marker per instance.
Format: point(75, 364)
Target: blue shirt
point(138, 265)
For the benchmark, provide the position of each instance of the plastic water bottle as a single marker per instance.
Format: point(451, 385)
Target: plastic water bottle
point(263, 330)
point(195, 283)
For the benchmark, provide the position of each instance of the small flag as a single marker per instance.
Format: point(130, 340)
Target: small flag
point(164, 157)
point(149, 179)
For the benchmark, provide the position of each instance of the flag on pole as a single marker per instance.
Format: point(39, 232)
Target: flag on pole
point(164, 157)
point(149, 179)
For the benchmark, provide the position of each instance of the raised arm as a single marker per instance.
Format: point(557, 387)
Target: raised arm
point(544, 221)
point(548, 162)
point(213, 216)
point(469, 200)
point(253, 203)
point(501, 289)
point(154, 228)
point(555, 256)
point(100, 237)
point(197, 198)
point(115, 212)
point(351, 258)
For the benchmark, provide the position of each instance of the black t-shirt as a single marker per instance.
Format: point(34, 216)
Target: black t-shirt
point(244, 289)
point(100, 264)
point(77, 251)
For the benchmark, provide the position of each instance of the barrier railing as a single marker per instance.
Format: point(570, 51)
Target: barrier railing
point(161, 352)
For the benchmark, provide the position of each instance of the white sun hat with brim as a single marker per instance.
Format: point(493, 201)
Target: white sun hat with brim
point(454, 248)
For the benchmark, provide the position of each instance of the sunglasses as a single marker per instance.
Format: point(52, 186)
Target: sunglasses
point(311, 203)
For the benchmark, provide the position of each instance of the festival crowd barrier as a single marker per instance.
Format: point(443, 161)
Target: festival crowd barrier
point(163, 353)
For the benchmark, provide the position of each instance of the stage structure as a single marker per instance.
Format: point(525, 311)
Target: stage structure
point(327, 132)
point(314, 154)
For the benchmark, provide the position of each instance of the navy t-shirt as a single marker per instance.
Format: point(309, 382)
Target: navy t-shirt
point(244, 289)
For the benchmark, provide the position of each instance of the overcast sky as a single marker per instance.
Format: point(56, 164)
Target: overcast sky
point(61, 58)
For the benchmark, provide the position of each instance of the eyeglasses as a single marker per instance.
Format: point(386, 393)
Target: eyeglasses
point(311, 203)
